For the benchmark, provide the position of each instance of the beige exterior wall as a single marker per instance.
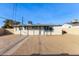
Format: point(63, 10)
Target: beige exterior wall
point(74, 30)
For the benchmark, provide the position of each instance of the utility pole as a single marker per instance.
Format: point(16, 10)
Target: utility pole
point(14, 15)
point(22, 20)
point(14, 12)
point(21, 28)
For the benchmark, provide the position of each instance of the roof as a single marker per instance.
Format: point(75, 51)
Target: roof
point(36, 25)
point(74, 23)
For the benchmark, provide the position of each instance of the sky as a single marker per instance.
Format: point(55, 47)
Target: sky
point(43, 13)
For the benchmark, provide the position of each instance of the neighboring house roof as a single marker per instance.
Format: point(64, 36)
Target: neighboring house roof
point(74, 23)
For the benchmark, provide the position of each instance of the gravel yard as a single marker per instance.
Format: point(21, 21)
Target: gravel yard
point(50, 45)
point(41, 45)
point(7, 41)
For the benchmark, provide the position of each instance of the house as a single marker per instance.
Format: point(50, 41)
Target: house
point(71, 27)
point(38, 29)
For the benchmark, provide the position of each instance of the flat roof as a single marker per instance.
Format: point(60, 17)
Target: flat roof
point(74, 23)
point(36, 25)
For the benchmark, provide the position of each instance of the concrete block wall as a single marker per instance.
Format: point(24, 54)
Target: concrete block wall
point(2, 32)
point(6, 31)
point(9, 31)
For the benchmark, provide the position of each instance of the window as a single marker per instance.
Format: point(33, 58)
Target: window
point(48, 28)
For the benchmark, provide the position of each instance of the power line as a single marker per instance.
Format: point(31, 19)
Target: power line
point(5, 18)
point(14, 11)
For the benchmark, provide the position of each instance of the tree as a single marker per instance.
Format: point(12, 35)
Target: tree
point(9, 23)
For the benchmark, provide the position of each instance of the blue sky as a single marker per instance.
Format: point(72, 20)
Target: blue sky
point(47, 13)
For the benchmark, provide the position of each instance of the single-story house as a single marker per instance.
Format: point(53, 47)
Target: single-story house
point(38, 29)
point(71, 27)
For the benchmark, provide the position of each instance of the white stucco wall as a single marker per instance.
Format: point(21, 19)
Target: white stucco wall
point(56, 31)
point(66, 26)
point(42, 32)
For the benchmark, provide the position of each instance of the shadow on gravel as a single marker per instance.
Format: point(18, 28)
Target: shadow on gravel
point(62, 54)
